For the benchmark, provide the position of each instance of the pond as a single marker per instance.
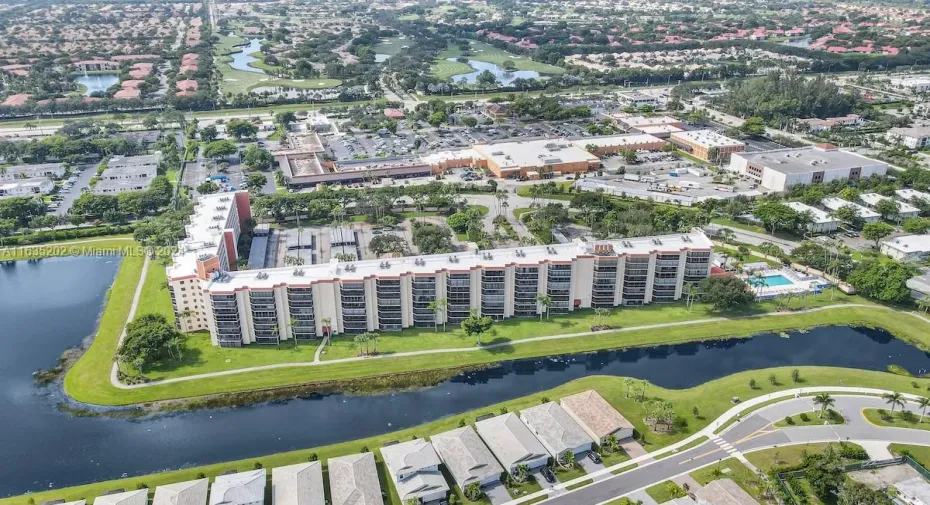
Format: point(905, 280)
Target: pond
point(504, 77)
point(800, 42)
point(242, 58)
point(49, 305)
point(381, 58)
point(97, 82)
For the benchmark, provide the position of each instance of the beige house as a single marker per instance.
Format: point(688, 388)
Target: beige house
point(596, 417)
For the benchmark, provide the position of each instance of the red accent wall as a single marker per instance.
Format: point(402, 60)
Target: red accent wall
point(230, 249)
point(243, 207)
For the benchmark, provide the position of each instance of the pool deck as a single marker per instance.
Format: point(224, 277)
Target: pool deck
point(796, 283)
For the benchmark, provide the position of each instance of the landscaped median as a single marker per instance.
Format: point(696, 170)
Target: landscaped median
point(712, 399)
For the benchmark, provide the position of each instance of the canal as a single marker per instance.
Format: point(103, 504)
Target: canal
point(52, 304)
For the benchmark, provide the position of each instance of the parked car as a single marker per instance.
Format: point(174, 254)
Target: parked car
point(595, 457)
point(548, 475)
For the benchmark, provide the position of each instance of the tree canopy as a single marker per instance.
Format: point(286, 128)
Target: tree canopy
point(726, 292)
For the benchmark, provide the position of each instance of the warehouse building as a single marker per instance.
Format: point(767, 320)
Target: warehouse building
point(707, 145)
point(534, 157)
point(779, 169)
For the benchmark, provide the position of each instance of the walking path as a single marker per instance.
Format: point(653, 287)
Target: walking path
point(319, 350)
point(424, 352)
point(114, 372)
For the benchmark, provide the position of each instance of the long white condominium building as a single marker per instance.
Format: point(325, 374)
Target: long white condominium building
point(310, 301)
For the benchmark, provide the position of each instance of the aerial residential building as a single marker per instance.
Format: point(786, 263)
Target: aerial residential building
point(558, 432)
point(96, 65)
point(707, 145)
point(866, 214)
point(596, 417)
point(905, 210)
point(909, 195)
point(466, 457)
point(599, 146)
point(49, 170)
point(257, 306)
point(913, 84)
point(353, 480)
point(912, 138)
point(243, 488)
point(847, 121)
point(822, 221)
point(723, 492)
point(192, 492)
point(779, 169)
point(512, 442)
point(300, 484)
point(913, 491)
point(519, 159)
point(907, 248)
point(414, 468)
point(37, 186)
point(128, 173)
point(136, 497)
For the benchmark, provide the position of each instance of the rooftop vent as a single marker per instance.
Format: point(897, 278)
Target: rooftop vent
point(350, 267)
point(384, 264)
point(487, 256)
point(686, 239)
point(519, 253)
point(419, 262)
point(453, 259)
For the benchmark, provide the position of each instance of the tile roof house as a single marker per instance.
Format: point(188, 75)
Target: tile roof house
point(466, 457)
point(414, 468)
point(300, 484)
point(557, 431)
point(243, 488)
point(192, 492)
point(353, 480)
point(136, 497)
point(596, 417)
point(723, 492)
point(512, 442)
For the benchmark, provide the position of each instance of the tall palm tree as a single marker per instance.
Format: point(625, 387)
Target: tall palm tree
point(438, 306)
point(923, 304)
point(293, 322)
point(923, 402)
point(759, 282)
point(726, 235)
point(274, 331)
point(359, 340)
point(894, 399)
point(825, 401)
point(691, 290)
point(544, 300)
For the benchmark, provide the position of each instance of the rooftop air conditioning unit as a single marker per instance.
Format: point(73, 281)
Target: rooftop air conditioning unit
point(299, 272)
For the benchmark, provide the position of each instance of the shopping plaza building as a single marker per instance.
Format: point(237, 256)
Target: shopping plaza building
point(310, 301)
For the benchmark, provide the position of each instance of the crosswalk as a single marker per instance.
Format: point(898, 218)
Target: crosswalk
point(726, 446)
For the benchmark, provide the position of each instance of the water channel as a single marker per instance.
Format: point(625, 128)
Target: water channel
point(503, 76)
point(241, 59)
point(49, 305)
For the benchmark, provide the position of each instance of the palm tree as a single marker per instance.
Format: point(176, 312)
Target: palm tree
point(923, 304)
point(759, 282)
point(726, 234)
point(274, 331)
point(472, 491)
point(293, 322)
point(176, 342)
point(825, 401)
point(691, 290)
point(894, 399)
point(359, 340)
point(545, 301)
point(438, 306)
point(521, 472)
point(567, 459)
point(611, 444)
point(724, 257)
point(923, 402)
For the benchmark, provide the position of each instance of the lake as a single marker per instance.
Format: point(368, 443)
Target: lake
point(241, 59)
point(52, 304)
point(504, 77)
point(97, 82)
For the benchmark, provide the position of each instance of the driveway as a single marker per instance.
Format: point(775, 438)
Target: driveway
point(88, 171)
point(590, 466)
point(497, 494)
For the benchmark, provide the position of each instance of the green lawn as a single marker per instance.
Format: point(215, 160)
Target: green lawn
point(812, 419)
point(240, 81)
point(920, 453)
point(524, 488)
point(390, 45)
point(481, 51)
point(568, 474)
point(787, 455)
point(155, 298)
point(731, 468)
point(665, 491)
point(895, 420)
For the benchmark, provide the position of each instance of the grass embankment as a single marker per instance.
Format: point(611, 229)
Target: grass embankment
point(920, 453)
point(481, 51)
point(897, 419)
point(811, 419)
point(788, 455)
point(110, 244)
point(241, 81)
point(712, 398)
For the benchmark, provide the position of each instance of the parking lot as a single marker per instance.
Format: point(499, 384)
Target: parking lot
point(71, 188)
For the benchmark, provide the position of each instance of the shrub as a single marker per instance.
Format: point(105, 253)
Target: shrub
point(788, 420)
point(804, 417)
point(674, 490)
point(850, 451)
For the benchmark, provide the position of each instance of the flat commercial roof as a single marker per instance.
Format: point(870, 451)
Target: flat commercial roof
point(533, 255)
point(909, 243)
point(707, 138)
point(834, 203)
point(642, 121)
point(820, 217)
point(534, 153)
point(204, 233)
point(917, 132)
point(809, 159)
point(909, 194)
point(618, 140)
point(872, 199)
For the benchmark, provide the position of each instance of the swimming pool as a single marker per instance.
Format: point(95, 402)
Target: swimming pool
point(771, 281)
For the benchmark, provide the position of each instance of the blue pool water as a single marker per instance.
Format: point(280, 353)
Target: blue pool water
point(772, 281)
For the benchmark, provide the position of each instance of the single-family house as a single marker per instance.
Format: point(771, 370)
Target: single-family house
point(353, 480)
point(466, 457)
point(300, 484)
point(557, 431)
point(512, 442)
point(192, 492)
point(414, 468)
point(597, 417)
point(135, 497)
point(243, 488)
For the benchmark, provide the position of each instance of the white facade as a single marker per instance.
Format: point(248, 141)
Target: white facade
point(638, 99)
point(414, 468)
point(905, 210)
point(908, 195)
point(907, 248)
point(243, 488)
point(26, 187)
point(914, 84)
point(822, 221)
point(866, 214)
point(50, 170)
point(912, 138)
point(192, 492)
point(779, 169)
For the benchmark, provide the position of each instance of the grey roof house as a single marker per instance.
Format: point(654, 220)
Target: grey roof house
point(243, 488)
point(466, 457)
point(414, 468)
point(596, 417)
point(300, 484)
point(136, 497)
point(512, 442)
point(353, 480)
point(192, 492)
point(557, 431)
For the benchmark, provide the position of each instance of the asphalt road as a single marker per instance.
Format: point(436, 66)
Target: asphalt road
point(752, 433)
